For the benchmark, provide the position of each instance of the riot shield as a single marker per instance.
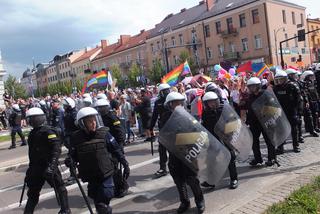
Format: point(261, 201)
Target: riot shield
point(198, 149)
point(232, 132)
point(271, 117)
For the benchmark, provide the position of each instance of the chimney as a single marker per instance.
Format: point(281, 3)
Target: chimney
point(124, 39)
point(210, 4)
point(201, 2)
point(104, 43)
point(182, 10)
point(142, 31)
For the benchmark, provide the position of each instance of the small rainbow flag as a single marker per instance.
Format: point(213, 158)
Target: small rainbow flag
point(172, 77)
point(260, 68)
point(99, 79)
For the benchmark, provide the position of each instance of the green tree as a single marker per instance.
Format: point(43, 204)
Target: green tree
point(134, 72)
point(184, 55)
point(15, 89)
point(117, 75)
point(157, 71)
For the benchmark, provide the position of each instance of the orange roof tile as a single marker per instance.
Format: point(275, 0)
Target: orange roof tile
point(107, 51)
point(87, 54)
point(134, 41)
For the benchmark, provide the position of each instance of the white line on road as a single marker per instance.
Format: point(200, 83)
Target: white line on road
point(74, 186)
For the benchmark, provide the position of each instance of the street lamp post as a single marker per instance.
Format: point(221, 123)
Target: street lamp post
point(275, 40)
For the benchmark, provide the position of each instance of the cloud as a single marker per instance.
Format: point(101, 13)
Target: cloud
point(42, 29)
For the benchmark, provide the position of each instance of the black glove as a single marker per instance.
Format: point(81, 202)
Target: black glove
point(126, 170)
point(67, 162)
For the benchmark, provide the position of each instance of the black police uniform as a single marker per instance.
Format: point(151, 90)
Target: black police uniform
point(256, 130)
point(111, 121)
point(57, 120)
point(313, 97)
point(209, 121)
point(70, 116)
point(158, 112)
point(44, 152)
point(183, 175)
point(94, 153)
point(15, 124)
point(289, 97)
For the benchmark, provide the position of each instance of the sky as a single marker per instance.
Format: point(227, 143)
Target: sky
point(41, 29)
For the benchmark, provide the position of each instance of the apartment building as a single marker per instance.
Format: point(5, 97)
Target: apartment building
point(314, 39)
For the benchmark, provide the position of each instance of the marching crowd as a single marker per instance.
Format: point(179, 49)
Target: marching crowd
point(95, 127)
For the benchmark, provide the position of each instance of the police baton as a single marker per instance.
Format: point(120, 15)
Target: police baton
point(74, 174)
point(22, 193)
point(152, 146)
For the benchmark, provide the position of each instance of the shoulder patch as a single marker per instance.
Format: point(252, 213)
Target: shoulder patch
point(116, 123)
point(51, 136)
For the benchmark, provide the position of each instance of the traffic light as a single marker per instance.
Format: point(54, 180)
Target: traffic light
point(301, 35)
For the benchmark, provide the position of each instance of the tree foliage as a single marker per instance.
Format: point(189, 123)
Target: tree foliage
point(15, 89)
point(134, 73)
point(184, 55)
point(157, 71)
point(117, 75)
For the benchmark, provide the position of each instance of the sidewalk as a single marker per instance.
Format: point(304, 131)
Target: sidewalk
point(259, 187)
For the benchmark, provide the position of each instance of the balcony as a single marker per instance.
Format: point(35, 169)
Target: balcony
point(230, 32)
point(126, 64)
point(230, 56)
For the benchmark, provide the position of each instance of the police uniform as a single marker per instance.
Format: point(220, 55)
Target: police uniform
point(209, 121)
point(158, 112)
point(69, 119)
point(94, 154)
point(111, 121)
point(313, 97)
point(44, 152)
point(289, 97)
point(183, 175)
point(256, 130)
point(15, 123)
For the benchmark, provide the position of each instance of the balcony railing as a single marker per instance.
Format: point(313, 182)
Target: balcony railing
point(230, 32)
point(231, 55)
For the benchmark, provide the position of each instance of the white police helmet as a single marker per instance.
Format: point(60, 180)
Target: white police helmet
point(291, 71)
point(163, 86)
point(101, 96)
point(69, 102)
point(86, 112)
point(280, 74)
point(101, 102)
point(306, 73)
point(209, 96)
point(35, 117)
point(16, 107)
point(173, 96)
point(254, 81)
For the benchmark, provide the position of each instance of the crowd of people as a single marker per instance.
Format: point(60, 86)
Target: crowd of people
point(78, 122)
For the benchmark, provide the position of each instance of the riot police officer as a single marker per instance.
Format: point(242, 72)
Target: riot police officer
point(93, 147)
point(311, 91)
point(44, 108)
point(254, 86)
point(15, 123)
point(157, 114)
point(181, 174)
point(111, 121)
point(57, 115)
point(44, 152)
point(289, 97)
point(211, 114)
point(69, 119)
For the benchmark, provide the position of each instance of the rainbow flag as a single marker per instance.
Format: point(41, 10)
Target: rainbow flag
point(260, 68)
point(172, 77)
point(98, 79)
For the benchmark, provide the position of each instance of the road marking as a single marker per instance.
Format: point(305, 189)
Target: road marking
point(74, 186)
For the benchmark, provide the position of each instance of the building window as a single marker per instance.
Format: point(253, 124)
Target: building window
point(229, 25)
point(165, 42)
point(209, 53)
point(152, 48)
point(287, 42)
point(284, 17)
point(318, 41)
point(242, 18)
point(221, 49)
point(293, 18)
point(255, 16)
point(295, 41)
point(207, 30)
point(232, 47)
point(138, 55)
point(181, 39)
point(176, 60)
point(302, 19)
point(128, 58)
point(244, 44)
point(158, 45)
point(218, 27)
point(173, 41)
point(257, 41)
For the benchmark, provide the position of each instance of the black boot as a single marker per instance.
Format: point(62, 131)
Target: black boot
point(201, 206)
point(255, 162)
point(31, 204)
point(103, 208)
point(64, 203)
point(184, 198)
point(280, 150)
